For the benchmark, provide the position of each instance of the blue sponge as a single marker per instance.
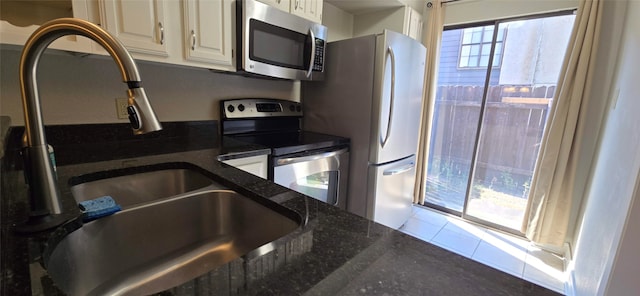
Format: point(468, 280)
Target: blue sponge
point(98, 208)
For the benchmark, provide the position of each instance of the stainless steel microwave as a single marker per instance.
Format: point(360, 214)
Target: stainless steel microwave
point(278, 44)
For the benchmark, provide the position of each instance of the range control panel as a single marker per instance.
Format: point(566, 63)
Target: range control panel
point(252, 108)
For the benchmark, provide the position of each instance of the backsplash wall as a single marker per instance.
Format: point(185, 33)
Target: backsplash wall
point(79, 89)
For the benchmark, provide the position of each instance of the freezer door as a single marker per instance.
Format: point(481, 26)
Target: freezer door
point(397, 99)
point(393, 185)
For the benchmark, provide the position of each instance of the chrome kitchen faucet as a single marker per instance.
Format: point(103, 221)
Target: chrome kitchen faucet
point(43, 190)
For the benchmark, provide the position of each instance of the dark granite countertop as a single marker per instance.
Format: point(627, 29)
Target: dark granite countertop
point(333, 253)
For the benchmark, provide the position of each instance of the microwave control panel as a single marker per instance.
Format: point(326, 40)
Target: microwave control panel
point(319, 57)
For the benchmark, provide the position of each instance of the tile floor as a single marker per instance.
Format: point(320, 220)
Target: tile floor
point(502, 251)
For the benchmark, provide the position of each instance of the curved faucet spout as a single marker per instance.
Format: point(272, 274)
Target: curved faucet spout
point(43, 190)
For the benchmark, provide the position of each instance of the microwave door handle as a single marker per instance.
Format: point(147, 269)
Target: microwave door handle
point(313, 52)
point(392, 95)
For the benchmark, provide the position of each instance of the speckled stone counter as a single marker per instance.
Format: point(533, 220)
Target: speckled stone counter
point(332, 253)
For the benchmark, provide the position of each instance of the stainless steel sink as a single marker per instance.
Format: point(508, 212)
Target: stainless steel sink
point(138, 188)
point(159, 245)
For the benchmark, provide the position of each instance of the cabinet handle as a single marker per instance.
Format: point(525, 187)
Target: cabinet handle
point(278, 1)
point(161, 33)
point(297, 1)
point(193, 40)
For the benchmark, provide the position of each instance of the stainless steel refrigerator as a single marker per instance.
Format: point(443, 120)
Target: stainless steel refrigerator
point(372, 94)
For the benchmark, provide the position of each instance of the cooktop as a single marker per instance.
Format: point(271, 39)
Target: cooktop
point(275, 124)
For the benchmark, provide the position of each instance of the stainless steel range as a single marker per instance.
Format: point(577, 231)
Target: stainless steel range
point(311, 163)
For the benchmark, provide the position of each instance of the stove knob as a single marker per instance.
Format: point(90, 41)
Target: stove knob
point(298, 108)
point(292, 108)
point(230, 108)
point(240, 107)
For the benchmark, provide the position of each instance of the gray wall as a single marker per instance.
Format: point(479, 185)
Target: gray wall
point(78, 89)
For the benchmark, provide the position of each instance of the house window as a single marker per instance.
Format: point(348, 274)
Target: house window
point(476, 46)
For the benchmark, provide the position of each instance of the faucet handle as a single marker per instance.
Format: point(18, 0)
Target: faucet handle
point(133, 117)
point(142, 117)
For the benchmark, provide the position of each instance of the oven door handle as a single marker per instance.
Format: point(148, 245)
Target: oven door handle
point(292, 160)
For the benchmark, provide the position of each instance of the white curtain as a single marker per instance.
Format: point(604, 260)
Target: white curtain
point(547, 216)
point(432, 36)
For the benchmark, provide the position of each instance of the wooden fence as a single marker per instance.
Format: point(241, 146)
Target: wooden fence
point(510, 138)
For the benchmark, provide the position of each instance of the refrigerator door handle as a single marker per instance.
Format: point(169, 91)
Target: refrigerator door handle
point(393, 85)
point(400, 170)
point(312, 60)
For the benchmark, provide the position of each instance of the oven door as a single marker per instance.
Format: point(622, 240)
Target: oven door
point(321, 175)
point(279, 44)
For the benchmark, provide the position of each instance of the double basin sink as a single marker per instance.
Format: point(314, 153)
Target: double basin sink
point(176, 224)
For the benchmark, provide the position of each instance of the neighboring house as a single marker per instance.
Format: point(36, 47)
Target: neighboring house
point(450, 72)
point(464, 53)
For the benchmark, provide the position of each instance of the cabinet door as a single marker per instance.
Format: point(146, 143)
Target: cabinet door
point(280, 4)
point(20, 18)
point(139, 25)
point(415, 25)
point(298, 8)
point(309, 9)
point(256, 165)
point(208, 31)
point(314, 10)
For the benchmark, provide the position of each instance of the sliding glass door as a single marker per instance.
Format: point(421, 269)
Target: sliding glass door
point(496, 83)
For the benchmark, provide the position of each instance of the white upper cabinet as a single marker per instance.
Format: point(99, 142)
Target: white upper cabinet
point(140, 25)
point(314, 10)
point(197, 33)
point(414, 24)
point(280, 4)
point(297, 7)
point(208, 31)
point(371, 17)
point(21, 18)
point(309, 9)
